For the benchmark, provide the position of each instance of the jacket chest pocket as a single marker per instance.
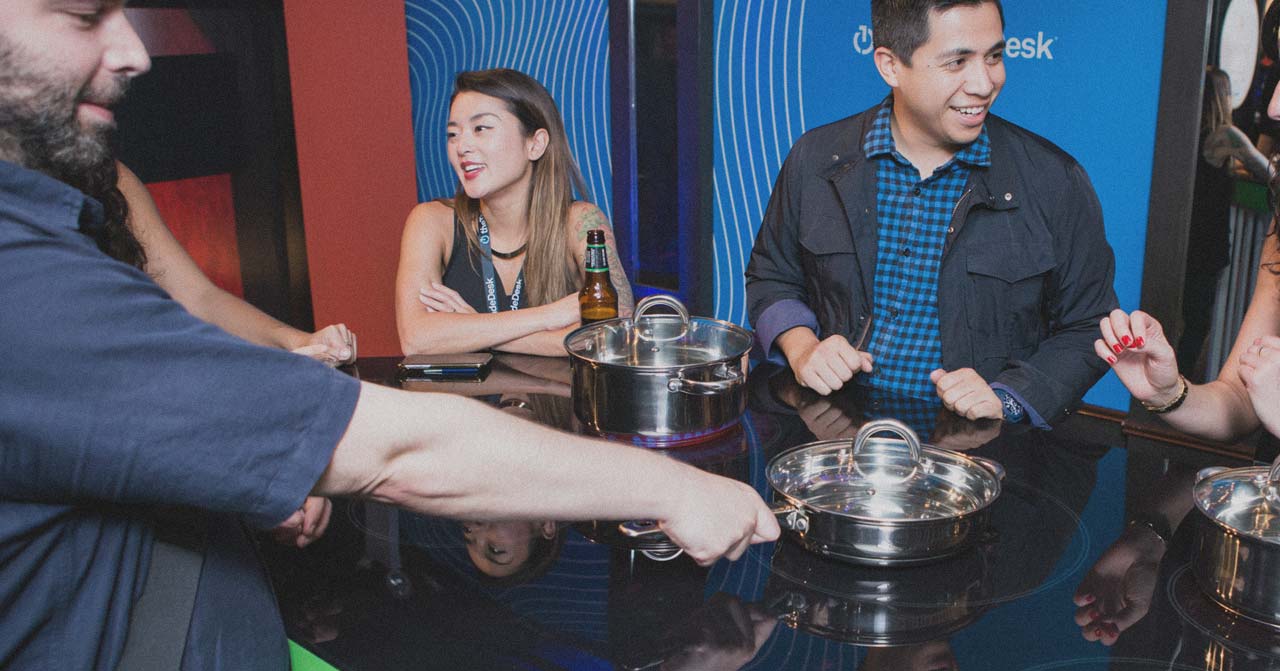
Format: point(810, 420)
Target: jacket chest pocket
point(1005, 295)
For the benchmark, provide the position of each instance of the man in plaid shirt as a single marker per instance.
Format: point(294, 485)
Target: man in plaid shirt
point(929, 248)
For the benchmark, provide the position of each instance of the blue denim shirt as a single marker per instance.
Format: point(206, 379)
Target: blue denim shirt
point(114, 401)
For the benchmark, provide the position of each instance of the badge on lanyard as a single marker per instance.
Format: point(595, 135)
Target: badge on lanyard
point(491, 276)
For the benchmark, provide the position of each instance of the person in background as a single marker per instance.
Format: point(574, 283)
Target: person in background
point(172, 268)
point(1246, 393)
point(499, 267)
point(1223, 147)
point(928, 247)
point(116, 402)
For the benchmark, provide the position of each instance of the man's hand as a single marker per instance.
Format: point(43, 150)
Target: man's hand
point(306, 524)
point(718, 517)
point(823, 366)
point(965, 393)
point(334, 344)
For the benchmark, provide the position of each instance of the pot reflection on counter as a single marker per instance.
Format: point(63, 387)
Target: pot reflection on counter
point(874, 606)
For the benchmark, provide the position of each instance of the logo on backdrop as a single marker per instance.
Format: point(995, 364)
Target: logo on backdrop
point(1029, 48)
point(862, 41)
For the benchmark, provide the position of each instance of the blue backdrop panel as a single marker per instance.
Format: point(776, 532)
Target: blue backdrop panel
point(563, 44)
point(1084, 74)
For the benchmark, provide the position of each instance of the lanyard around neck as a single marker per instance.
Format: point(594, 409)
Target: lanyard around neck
point(491, 276)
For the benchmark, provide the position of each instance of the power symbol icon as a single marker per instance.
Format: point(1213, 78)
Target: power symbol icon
point(862, 42)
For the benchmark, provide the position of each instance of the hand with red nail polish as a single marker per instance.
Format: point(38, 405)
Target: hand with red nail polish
point(1137, 350)
point(1116, 592)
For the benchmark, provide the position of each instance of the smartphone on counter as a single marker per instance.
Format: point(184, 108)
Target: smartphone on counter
point(472, 366)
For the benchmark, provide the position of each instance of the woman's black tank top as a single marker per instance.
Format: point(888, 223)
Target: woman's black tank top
point(463, 275)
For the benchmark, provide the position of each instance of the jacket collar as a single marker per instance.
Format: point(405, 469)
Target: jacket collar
point(994, 185)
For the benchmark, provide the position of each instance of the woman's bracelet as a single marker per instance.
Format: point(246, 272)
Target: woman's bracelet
point(1171, 405)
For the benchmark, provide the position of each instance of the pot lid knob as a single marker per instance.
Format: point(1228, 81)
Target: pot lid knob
point(890, 426)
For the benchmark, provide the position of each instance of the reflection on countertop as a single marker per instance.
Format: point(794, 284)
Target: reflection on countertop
point(385, 589)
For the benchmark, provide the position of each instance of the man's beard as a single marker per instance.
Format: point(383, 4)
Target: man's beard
point(39, 127)
point(40, 130)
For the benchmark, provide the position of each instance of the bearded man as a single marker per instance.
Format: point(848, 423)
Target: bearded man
point(117, 405)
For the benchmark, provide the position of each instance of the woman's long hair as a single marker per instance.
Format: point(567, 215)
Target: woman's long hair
point(550, 270)
point(115, 236)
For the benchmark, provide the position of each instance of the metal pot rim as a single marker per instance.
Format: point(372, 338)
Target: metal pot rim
point(1240, 474)
point(965, 460)
point(880, 521)
point(718, 323)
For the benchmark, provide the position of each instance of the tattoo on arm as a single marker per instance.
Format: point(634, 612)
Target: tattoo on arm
point(626, 302)
point(592, 218)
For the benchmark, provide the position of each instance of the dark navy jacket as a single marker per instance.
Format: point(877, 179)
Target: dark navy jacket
point(1026, 271)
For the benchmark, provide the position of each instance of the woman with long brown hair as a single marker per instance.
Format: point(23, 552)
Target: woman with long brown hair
point(499, 266)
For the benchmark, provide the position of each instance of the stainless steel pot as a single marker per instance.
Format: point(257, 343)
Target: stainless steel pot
point(885, 502)
point(1237, 559)
point(659, 376)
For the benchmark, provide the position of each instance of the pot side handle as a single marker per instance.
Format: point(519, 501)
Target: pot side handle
point(790, 516)
point(729, 380)
point(638, 528)
point(991, 465)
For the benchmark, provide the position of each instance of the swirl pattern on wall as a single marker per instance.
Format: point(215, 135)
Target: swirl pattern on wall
point(563, 44)
point(759, 113)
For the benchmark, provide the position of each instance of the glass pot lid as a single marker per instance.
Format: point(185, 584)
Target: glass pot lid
point(885, 480)
point(658, 340)
point(1242, 499)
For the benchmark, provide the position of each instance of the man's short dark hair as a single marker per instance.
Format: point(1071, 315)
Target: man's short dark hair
point(903, 25)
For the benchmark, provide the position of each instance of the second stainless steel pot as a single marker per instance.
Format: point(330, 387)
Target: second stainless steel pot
point(659, 376)
point(1237, 559)
point(883, 502)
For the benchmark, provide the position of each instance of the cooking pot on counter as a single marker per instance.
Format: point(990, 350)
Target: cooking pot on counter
point(659, 377)
point(885, 502)
point(1237, 562)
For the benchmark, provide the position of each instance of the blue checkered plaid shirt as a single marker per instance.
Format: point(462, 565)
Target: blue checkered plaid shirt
point(914, 216)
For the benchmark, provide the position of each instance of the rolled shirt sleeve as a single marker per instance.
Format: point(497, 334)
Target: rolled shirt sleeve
point(779, 318)
point(113, 393)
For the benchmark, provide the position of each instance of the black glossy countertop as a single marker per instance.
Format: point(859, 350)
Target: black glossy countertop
point(391, 590)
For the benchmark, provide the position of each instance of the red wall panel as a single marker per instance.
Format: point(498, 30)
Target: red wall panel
point(202, 216)
point(348, 63)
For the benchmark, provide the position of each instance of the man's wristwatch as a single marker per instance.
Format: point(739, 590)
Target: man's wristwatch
point(1012, 409)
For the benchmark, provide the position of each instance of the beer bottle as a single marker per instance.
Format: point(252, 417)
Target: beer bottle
point(598, 300)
